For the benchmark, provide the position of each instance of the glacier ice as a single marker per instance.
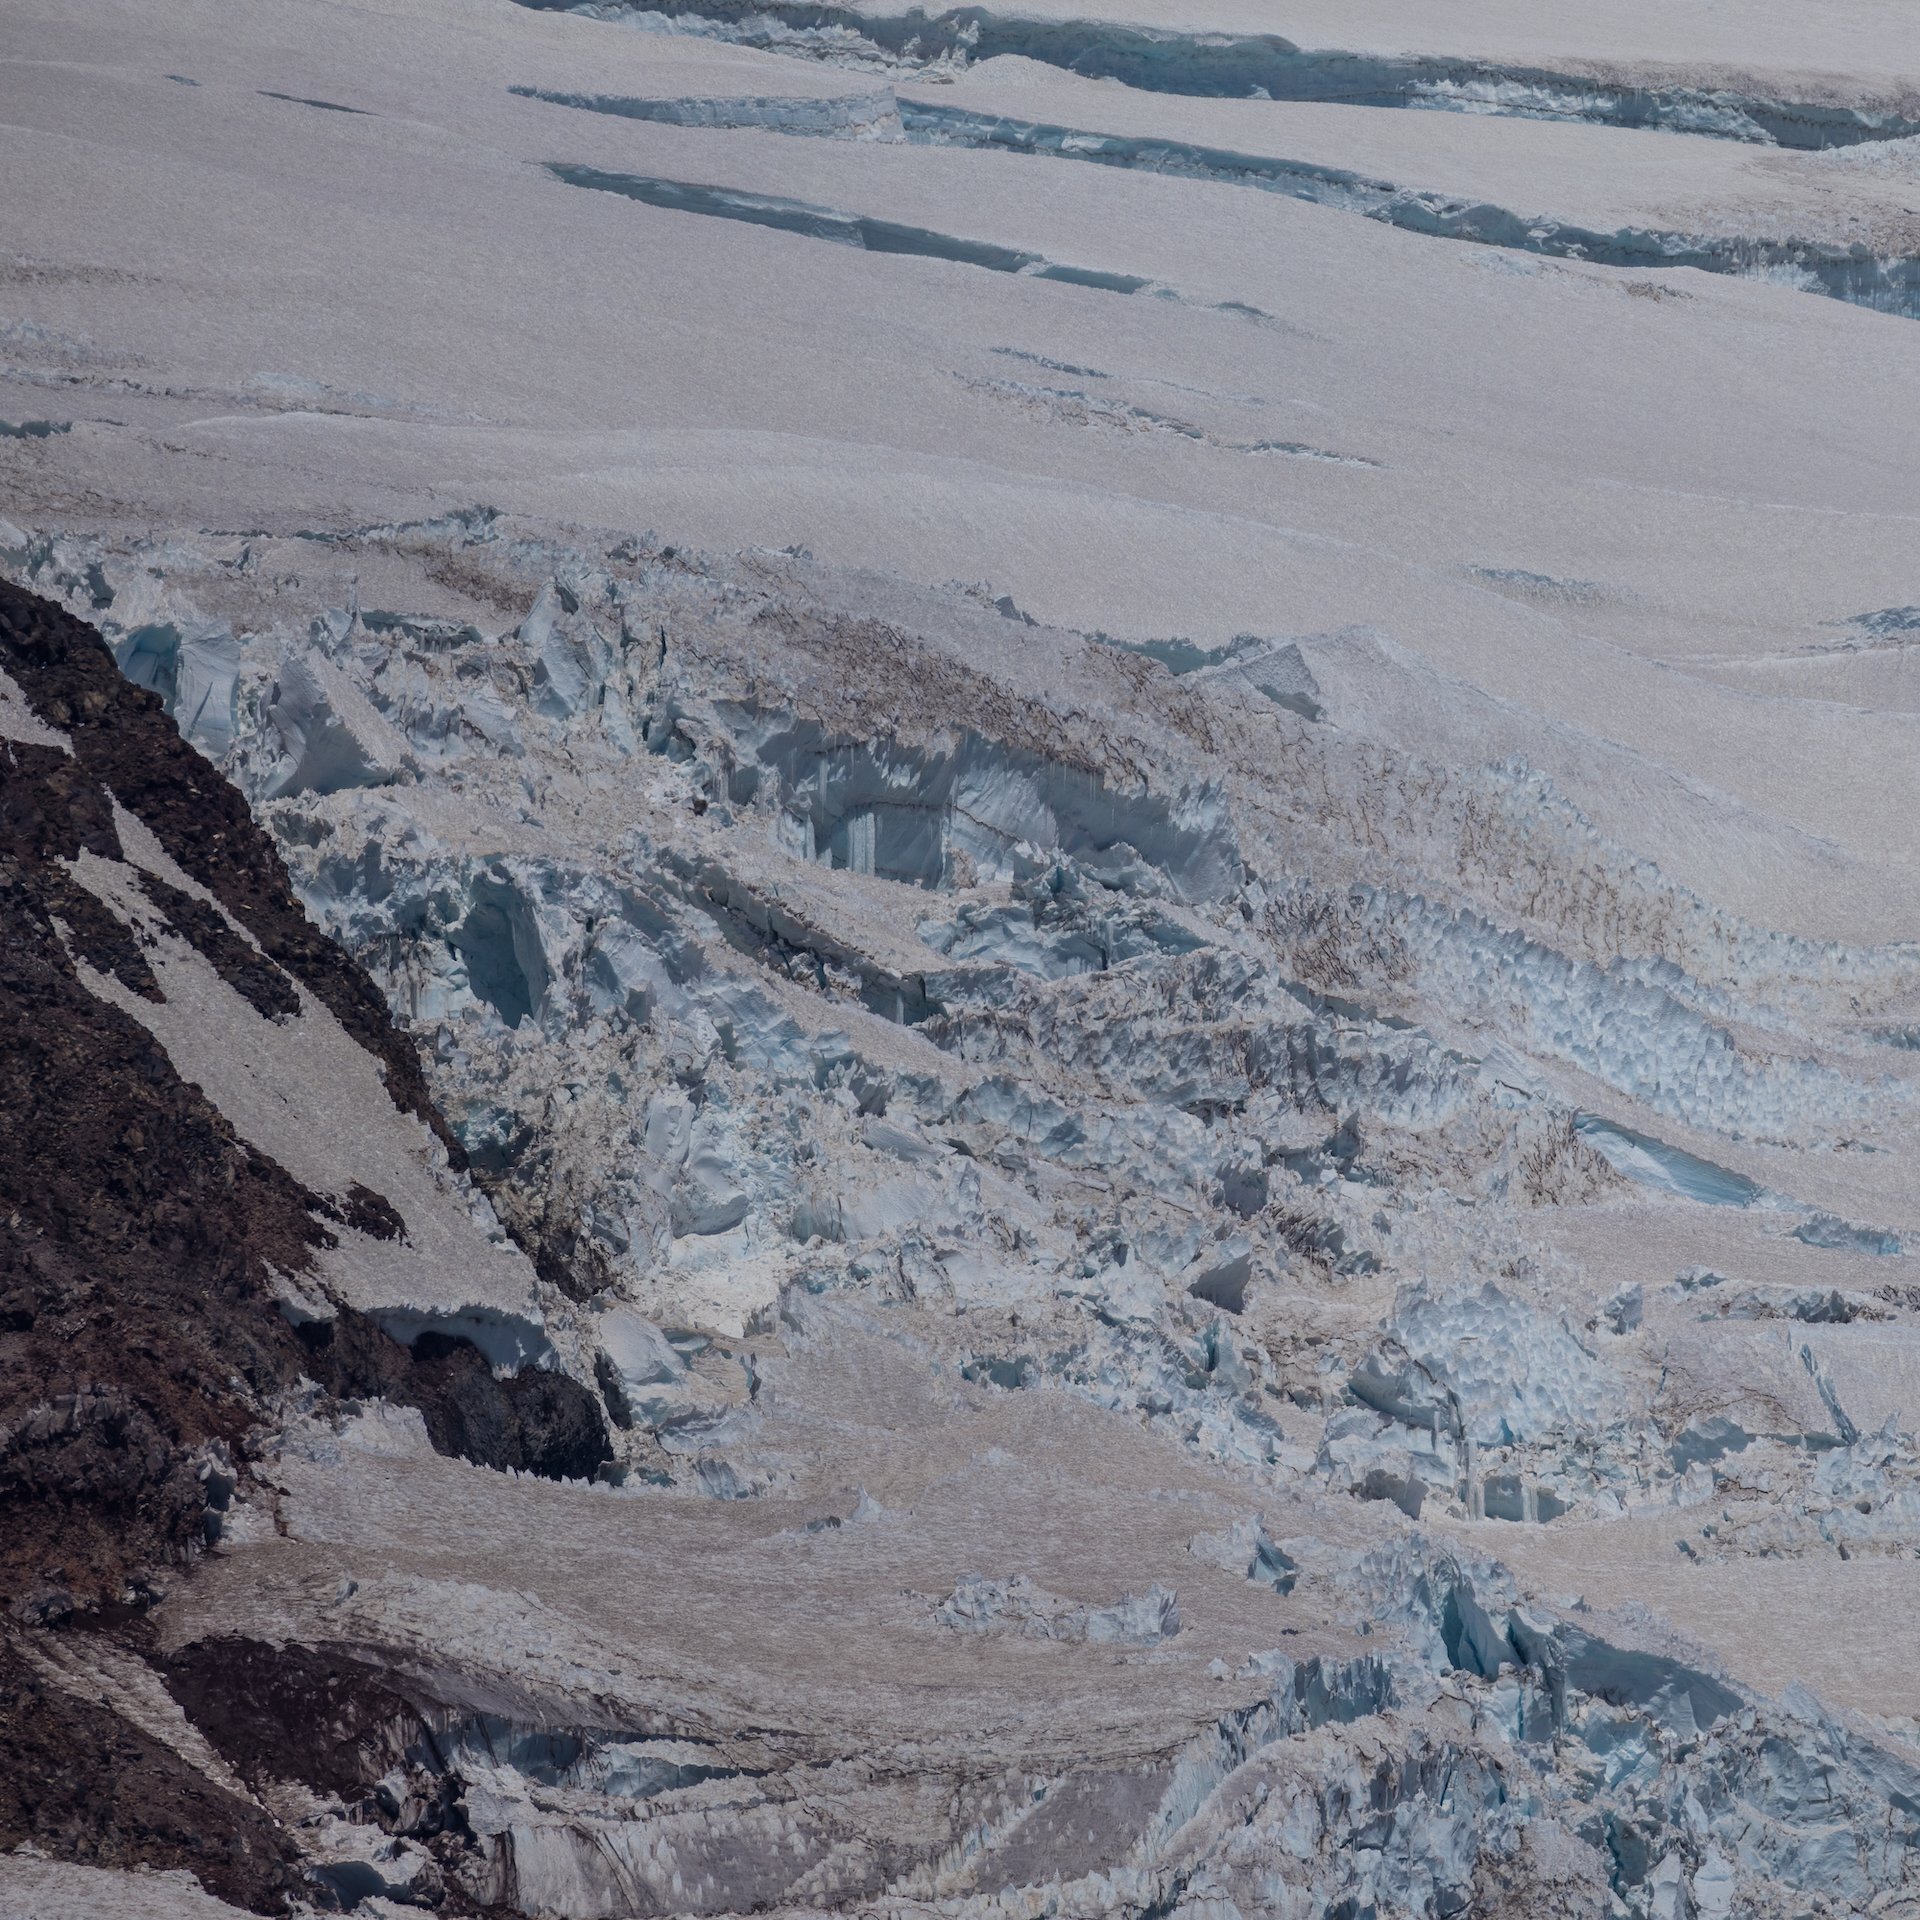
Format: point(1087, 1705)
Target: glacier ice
point(1157, 1151)
point(847, 1020)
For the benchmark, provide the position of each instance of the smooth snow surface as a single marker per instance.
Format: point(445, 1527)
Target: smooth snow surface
point(1161, 847)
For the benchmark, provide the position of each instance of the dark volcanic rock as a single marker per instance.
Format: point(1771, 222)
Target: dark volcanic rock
point(338, 1725)
point(252, 976)
point(141, 1345)
point(125, 744)
point(537, 1422)
point(137, 1329)
point(136, 1231)
point(296, 1713)
point(81, 1783)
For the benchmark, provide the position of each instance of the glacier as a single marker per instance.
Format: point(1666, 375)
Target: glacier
point(888, 1032)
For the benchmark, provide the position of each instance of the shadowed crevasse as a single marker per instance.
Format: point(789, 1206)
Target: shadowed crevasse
point(1234, 66)
point(1854, 272)
point(843, 229)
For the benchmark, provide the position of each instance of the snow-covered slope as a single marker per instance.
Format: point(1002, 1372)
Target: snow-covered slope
point(893, 1026)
